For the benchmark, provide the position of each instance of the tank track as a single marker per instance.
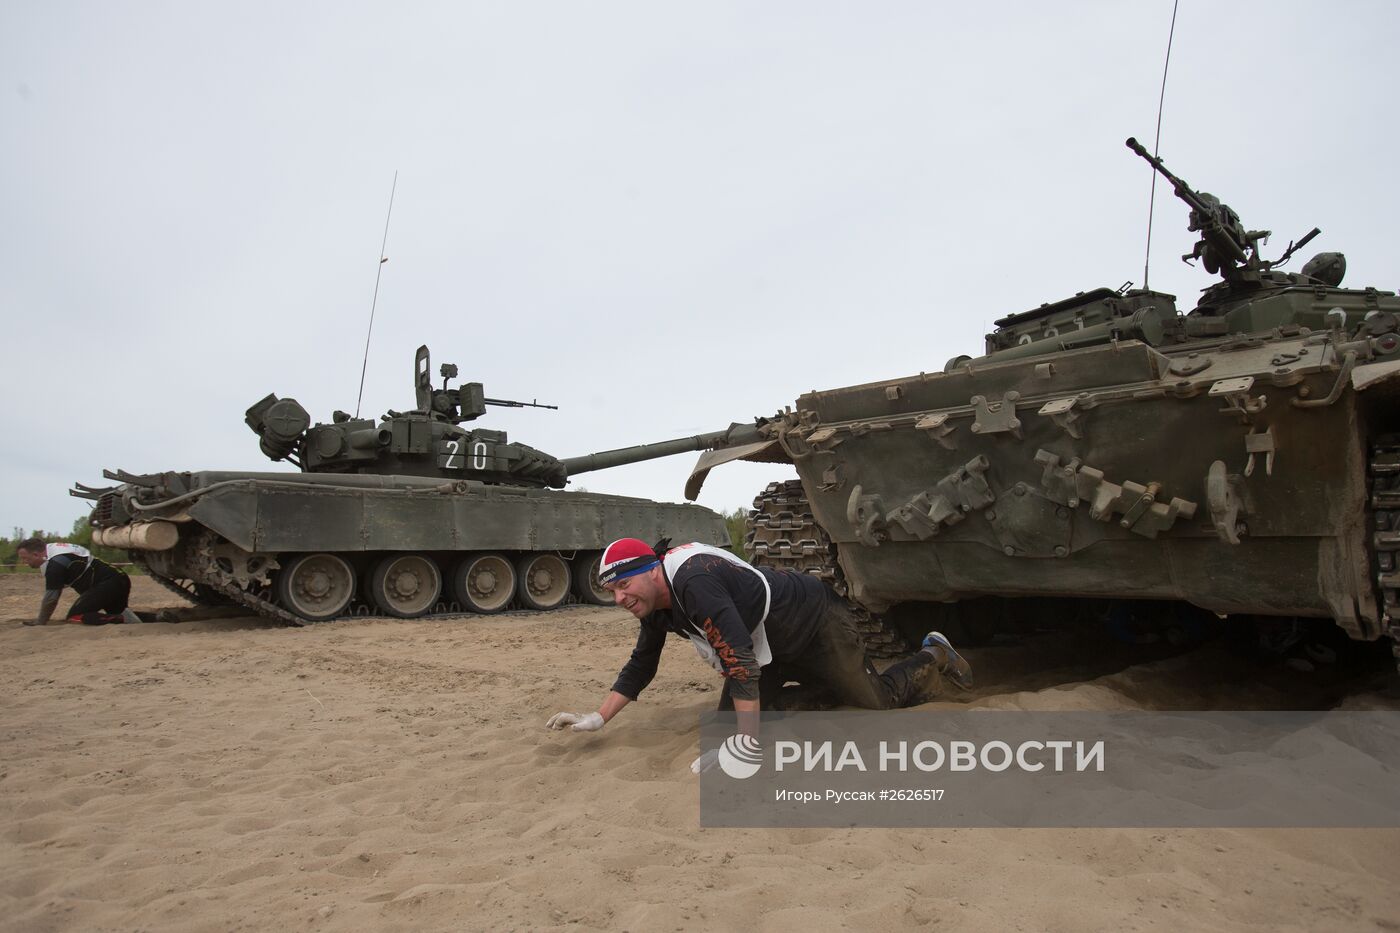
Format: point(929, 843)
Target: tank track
point(781, 533)
point(1385, 524)
point(172, 585)
point(188, 590)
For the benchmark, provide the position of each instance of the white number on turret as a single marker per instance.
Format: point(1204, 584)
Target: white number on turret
point(453, 454)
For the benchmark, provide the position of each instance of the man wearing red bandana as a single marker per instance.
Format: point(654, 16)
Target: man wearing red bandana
point(758, 627)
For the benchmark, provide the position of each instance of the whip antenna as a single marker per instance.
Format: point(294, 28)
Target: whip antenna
point(1156, 142)
point(379, 271)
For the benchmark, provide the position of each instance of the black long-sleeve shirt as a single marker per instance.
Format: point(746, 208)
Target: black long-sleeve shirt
point(718, 602)
point(82, 574)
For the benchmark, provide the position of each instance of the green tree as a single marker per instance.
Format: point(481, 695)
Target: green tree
point(735, 521)
point(9, 558)
point(82, 535)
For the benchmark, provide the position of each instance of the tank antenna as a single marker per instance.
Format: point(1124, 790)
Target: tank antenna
point(379, 271)
point(1156, 143)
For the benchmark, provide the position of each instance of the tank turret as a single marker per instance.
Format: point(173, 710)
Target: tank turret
point(429, 440)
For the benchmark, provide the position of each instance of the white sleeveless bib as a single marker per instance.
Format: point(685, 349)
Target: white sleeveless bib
point(672, 563)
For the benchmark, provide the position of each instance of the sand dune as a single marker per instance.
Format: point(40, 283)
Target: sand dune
point(375, 774)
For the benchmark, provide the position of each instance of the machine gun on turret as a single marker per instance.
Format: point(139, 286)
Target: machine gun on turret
point(465, 403)
point(1225, 245)
point(1226, 248)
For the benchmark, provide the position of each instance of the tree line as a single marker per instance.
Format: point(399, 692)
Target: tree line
point(80, 534)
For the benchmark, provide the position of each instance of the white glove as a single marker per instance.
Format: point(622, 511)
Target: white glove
point(705, 762)
point(582, 722)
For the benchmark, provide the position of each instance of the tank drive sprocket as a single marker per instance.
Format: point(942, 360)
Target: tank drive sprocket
point(197, 593)
point(203, 561)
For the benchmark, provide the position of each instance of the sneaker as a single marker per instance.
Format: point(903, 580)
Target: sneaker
point(955, 667)
point(130, 617)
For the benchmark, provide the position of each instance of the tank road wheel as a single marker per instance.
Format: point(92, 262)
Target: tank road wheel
point(586, 587)
point(405, 585)
point(484, 583)
point(316, 587)
point(544, 580)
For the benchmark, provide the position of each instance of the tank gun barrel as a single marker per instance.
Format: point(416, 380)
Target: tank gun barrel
point(730, 436)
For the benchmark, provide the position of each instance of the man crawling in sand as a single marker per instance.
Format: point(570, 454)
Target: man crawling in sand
point(759, 627)
point(102, 589)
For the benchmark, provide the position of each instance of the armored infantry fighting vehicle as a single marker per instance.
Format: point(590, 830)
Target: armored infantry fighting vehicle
point(406, 515)
point(1242, 457)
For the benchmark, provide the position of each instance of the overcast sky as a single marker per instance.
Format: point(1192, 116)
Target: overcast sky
point(661, 217)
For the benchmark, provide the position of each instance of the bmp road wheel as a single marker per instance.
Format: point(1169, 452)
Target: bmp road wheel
point(586, 586)
point(316, 587)
point(405, 585)
point(544, 580)
point(484, 582)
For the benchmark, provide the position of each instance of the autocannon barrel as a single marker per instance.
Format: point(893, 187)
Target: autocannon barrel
point(734, 434)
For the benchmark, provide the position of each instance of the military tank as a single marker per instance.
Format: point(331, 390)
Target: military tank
point(406, 515)
point(1242, 457)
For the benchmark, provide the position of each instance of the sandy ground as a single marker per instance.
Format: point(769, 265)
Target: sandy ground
point(381, 775)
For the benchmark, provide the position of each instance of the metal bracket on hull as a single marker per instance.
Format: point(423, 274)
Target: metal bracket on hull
point(915, 517)
point(866, 515)
point(1225, 496)
point(1059, 482)
point(1260, 442)
point(1061, 411)
point(1142, 514)
point(948, 502)
point(1235, 392)
point(1136, 503)
point(996, 417)
point(939, 429)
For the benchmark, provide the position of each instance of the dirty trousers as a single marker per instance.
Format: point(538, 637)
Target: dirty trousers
point(835, 663)
point(103, 602)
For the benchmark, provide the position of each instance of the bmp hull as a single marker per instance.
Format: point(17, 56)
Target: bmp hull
point(1251, 476)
